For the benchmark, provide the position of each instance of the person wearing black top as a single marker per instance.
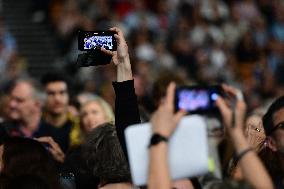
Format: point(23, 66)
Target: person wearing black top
point(126, 113)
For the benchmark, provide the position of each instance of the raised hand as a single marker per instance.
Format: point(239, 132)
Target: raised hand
point(121, 53)
point(120, 57)
point(165, 120)
point(233, 109)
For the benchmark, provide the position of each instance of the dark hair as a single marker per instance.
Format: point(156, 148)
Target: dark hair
point(161, 83)
point(23, 156)
point(230, 184)
point(267, 118)
point(3, 134)
point(104, 155)
point(271, 162)
point(50, 77)
point(27, 182)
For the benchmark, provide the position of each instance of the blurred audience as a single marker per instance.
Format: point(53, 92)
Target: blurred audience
point(238, 42)
point(187, 41)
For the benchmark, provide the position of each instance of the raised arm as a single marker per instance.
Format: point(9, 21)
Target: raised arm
point(126, 105)
point(233, 117)
point(164, 122)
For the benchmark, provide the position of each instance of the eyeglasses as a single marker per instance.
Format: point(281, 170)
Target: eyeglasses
point(279, 125)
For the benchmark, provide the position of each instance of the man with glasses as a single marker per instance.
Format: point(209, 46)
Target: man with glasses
point(273, 122)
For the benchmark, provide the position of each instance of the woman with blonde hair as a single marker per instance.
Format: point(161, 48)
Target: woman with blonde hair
point(94, 111)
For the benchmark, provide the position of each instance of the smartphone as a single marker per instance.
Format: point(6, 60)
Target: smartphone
point(93, 40)
point(197, 99)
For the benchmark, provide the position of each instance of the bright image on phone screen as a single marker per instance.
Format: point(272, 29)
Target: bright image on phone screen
point(192, 100)
point(93, 42)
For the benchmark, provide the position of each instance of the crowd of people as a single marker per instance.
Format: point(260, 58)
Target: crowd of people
point(69, 133)
point(237, 42)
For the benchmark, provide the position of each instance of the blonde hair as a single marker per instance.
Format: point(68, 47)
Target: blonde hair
point(105, 106)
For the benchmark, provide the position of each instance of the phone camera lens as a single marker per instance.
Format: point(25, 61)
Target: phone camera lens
point(214, 96)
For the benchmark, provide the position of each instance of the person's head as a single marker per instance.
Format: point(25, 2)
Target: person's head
point(22, 156)
point(56, 88)
point(230, 184)
point(95, 112)
point(24, 100)
point(104, 156)
point(27, 182)
point(160, 86)
point(273, 122)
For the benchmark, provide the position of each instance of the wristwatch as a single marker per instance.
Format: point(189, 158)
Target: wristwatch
point(156, 138)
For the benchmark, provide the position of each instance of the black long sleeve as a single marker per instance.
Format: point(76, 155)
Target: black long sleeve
point(126, 109)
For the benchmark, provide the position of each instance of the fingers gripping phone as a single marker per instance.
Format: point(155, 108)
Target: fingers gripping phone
point(197, 99)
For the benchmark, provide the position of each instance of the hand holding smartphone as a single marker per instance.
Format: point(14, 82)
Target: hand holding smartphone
point(91, 43)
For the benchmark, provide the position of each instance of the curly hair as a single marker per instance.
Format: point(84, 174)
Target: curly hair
point(104, 156)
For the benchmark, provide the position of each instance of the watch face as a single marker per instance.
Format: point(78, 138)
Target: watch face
point(155, 139)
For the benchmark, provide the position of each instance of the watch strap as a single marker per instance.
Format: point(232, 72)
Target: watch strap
point(156, 138)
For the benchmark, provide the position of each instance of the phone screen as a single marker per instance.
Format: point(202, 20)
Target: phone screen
point(92, 40)
point(197, 99)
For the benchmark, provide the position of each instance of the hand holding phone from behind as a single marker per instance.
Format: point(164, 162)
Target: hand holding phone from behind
point(121, 53)
point(164, 122)
point(90, 42)
point(120, 57)
point(233, 110)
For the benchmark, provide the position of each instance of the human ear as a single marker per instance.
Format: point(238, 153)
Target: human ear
point(271, 143)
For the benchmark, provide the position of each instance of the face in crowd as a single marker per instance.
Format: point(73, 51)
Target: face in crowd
point(57, 97)
point(21, 104)
point(277, 136)
point(92, 115)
